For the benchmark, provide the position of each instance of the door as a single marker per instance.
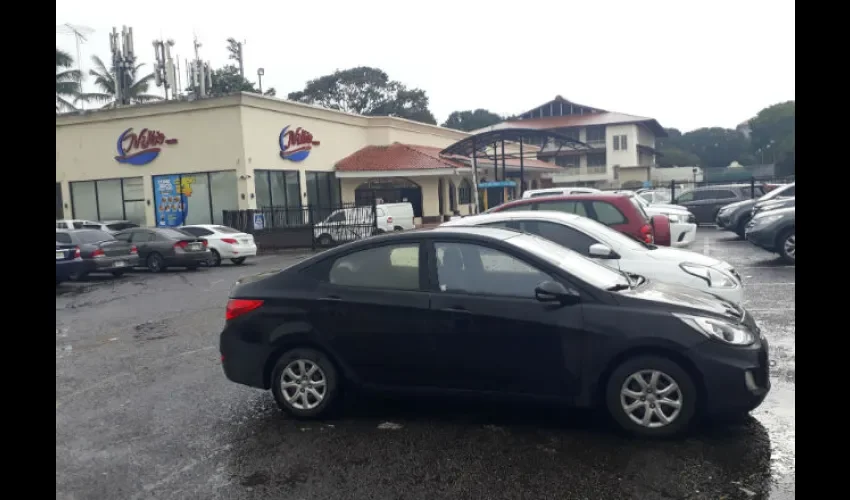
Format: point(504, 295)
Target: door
point(144, 242)
point(374, 315)
point(492, 334)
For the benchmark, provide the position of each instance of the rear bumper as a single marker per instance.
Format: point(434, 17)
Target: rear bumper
point(682, 234)
point(236, 251)
point(188, 259)
point(110, 264)
point(243, 362)
point(65, 268)
point(736, 380)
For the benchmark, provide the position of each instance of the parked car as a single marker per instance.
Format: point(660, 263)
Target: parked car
point(774, 231)
point(73, 223)
point(162, 247)
point(68, 262)
point(556, 191)
point(683, 224)
point(618, 251)
point(349, 224)
point(110, 226)
point(705, 201)
point(735, 216)
point(617, 211)
point(100, 252)
point(495, 312)
point(773, 205)
point(656, 196)
point(224, 242)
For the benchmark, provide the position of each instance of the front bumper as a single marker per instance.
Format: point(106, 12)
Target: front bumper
point(736, 379)
point(724, 220)
point(734, 295)
point(763, 237)
point(682, 234)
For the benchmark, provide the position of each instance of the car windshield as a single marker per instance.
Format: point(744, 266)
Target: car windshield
point(570, 261)
point(93, 236)
point(775, 193)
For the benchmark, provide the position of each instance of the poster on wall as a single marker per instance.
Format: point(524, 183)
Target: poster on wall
point(171, 195)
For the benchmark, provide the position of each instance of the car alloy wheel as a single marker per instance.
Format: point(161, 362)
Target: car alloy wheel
point(215, 258)
point(154, 263)
point(304, 383)
point(789, 248)
point(651, 398)
point(325, 240)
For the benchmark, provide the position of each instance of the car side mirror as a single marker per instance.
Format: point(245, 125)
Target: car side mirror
point(552, 291)
point(600, 251)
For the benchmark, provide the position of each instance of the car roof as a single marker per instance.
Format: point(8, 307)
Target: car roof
point(579, 196)
point(514, 215)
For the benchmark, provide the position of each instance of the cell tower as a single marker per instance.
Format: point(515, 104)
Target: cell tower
point(164, 73)
point(123, 63)
point(199, 74)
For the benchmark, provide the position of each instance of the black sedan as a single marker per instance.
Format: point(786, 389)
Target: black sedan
point(69, 262)
point(491, 311)
point(162, 247)
point(775, 231)
point(100, 252)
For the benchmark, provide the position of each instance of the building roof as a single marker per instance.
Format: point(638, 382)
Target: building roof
point(395, 156)
point(602, 118)
point(559, 101)
point(398, 156)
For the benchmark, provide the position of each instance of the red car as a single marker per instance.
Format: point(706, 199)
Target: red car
point(618, 211)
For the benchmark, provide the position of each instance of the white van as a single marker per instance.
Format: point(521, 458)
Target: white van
point(559, 191)
point(349, 224)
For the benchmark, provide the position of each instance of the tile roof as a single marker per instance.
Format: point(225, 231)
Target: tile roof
point(395, 156)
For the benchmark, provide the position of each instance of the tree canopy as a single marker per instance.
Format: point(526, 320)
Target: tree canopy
point(67, 81)
point(773, 133)
point(105, 81)
point(367, 91)
point(472, 120)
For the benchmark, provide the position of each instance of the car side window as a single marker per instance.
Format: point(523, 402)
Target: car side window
point(560, 234)
point(337, 217)
point(480, 270)
point(123, 237)
point(725, 194)
point(142, 236)
point(64, 238)
point(558, 206)
point(686, 197)
point(607, 213)
point(789, 191)
point(392, 267)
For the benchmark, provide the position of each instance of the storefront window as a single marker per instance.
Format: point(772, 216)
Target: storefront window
point(277, 188)
point(198, 206)
point(323, 191)
point(110, 200)
point(464, 192)
point(224, 194)
point(134, 200)
point(84, 199)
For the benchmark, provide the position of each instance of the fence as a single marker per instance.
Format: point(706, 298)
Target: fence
point(756, 185)
point(309, 226)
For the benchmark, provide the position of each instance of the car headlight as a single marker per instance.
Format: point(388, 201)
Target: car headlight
point(674, 218)
point(766, 219)
point(714, 277)
point(717, 329)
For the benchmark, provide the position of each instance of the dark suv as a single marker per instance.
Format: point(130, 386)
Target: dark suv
point(705, 201)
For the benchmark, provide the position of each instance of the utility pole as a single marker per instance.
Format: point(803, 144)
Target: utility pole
point(123, 63)
point(240, 59)
point(164, 73)
point(260, 73)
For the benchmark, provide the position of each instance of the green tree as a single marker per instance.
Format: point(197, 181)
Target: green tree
point(104, 80)
point(67, 82)
point(773, 136)
point(366, 91)
point(471, 120)
point(227, 80)
point(675, 157)
point(717, 147)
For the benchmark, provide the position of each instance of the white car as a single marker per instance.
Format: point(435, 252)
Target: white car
point(349, 224)
point(224, 242)
point(558, 191)
point(618, 251)
point(683, 224)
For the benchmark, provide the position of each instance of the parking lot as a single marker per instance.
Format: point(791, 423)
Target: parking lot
point(143, 410)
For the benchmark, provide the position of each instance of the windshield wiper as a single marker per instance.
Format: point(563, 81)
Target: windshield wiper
point(619, 287)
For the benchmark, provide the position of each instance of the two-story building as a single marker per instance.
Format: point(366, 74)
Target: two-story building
point(622, 146)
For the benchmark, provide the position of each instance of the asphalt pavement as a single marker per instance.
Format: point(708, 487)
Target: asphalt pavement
point(143, 410)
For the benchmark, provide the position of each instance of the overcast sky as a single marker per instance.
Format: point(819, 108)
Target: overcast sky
point(689, 64)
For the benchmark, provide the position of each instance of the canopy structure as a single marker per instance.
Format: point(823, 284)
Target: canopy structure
point(478, 147)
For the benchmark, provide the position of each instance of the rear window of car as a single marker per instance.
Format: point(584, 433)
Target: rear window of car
point(639, 207)
point(78, 225)
point(120, 226)
point(172, 234)
point(568, 206)
point(608, 214)
point(64, 238)
point(93, 236)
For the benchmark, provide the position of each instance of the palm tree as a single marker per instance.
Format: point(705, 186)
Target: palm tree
point(104, 80)
point(67, 81)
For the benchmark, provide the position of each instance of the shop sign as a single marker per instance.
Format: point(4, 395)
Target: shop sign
point(171, 194)
point(141, 148)
point(295, 145)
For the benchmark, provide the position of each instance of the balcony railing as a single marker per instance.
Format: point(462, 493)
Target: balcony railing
point(601, 169)
point(596, 143)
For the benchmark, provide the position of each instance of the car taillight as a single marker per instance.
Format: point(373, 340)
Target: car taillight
point(133, 250)
point(77, 254)
point(181, 244)
point(229, 240)
point(646, 233)
point(205, 243)
point(389, 220)
point(238, 307)
point(98, 253)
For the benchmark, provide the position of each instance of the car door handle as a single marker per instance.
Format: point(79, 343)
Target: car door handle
point(455, 310)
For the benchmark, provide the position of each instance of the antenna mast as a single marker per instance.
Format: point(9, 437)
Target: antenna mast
point(123, 63)
point(164, 73)
point(80, 33)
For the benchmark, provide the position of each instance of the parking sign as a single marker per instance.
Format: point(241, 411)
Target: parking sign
point(259, 221)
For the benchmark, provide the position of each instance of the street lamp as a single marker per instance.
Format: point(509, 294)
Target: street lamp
point(260, 73)
point(695, 170)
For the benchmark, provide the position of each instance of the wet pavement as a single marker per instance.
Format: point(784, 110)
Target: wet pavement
point(144, 411)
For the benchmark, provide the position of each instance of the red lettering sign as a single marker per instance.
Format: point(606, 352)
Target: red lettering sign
point(145, 139)
point(299, 137)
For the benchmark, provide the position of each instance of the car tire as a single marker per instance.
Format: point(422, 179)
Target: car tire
point(624, 378)
point(299, 396)
point(238, 260)
point(155, 263)
point(215, 258)
point(118, 274)
point(325, 240)
point(398, 228)
point(786, 246)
